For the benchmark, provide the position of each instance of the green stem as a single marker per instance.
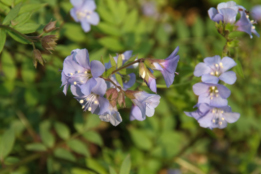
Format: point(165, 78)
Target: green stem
point(17, 32)
point(123, 67)
point(171, 86)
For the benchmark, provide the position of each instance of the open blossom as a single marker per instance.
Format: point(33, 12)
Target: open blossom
point(226, 12)
point(83, 12)
point(256, 13)
point(92, 98)
point(245, 25)
point(168, 66)
point(214, 117)
point(212, 94)
point(77, 70)
point(144, 104)
point(214, 69)
point(111, 115)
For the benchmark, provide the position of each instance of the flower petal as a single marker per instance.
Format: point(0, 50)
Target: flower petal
point(87, 87)
point(100, 87)
point(76, 3)
point(207, 78)
point(82, 57)
point(205, 121)
point(89, 5)
point(168, 77)
point(136, 114)
point(231, 117)
point(142, 108)
point(214, 16)
point(76, 90)
point(171, 64)
point(93, 18)
point(70, 67)
point(74, 15)
point(227, 63)
point(218, 101)
point(97, 68)
point(173, 54)
point(65, 88)
point(152, 84)
point(85, 25)
point(201, 69)
point(211, 61)
point(229, 15)
point(223, 91)
point(131, 81)
point(228, 77)
point(200, 88)
point(103, 105)
point(194, 114)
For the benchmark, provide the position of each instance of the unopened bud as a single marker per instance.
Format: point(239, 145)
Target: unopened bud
point(37, 57)
point(130, 94)
point(50, 27)
point(142, 70)
point(121, 99)
point(112, 95)
point(49, 42)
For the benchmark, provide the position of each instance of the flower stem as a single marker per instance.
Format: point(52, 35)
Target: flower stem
point(109, 80)
point(125, 66)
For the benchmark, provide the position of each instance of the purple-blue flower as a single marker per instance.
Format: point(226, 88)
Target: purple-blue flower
point(77, 70)
point(148, 77)
point(168, 66)
point(214, 117)
point(245, 25)
point(214, 69)
point(111, 115)
point(256, 13)
point(144, 104)
point(226, 12)
point(91, 98)
point(83, 11)
point(212, 94)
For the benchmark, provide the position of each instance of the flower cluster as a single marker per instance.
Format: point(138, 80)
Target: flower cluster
point(91, 81)
point(83, 12)
point(213, 110)
point(227, 12)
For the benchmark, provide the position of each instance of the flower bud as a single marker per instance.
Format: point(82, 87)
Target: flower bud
point(50, 27)
point(49, 42)
point(37, 57)
point(121, 99)
point(142, 70)
point(112, 95)
point(130, 94)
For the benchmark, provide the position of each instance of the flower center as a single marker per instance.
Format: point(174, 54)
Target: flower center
point(218, 118)
point(217, 70)
point(89, 103)
point(213, 92)
point(84, 14)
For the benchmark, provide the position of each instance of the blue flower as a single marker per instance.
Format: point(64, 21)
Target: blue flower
point(111, 115)
point(77, 70)
point(214, 117)
point(83, 11)
point(214, 69)
point(168, 66)
point(212, 94)
point(245, 25)
point(256, 13)
point(91, 97)
point(226, 12)
point(144, 104)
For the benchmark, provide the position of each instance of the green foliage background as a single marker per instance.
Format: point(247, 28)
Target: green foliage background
point(44, 131)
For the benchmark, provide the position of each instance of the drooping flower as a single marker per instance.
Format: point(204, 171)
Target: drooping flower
point(226, 12)
point(111, 115)
point(212, 94)
point(214, 117)
point(83, 12)
point(256, 13)
point(144, 104)
point(78, 70)
point(148, 77)
point(245, 25)
point(92, 98)
point(167, 66)
point(214, 69)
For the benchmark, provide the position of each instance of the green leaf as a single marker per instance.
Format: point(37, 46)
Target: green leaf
point(78, 122)
point(27, 28)
point(36, 147)
point(62, 130)
point(4, 8)
point(109, 71)
point(31, 7)
point(2, 39)
point(92, 121)
point(105, 14)
point(79, 171)
point(97, 54)
point(109, 29)
point(239, 69)
point(140, 139)
point(113, 62)
point(7, 143)
point(132, 19)
point(74, 32)
point(111, 43)
point(79, 147)
point(198, 28)
point(112, 171)
point(47, 137)
point(8, 2)
point(119, 61)
point(131, 60)
point(12, 14)
point(21, 19)
point(126, 165)
point(18, 38)
point(182, 29)
point(64, 154)
point(122, 10)
point(8, 66)
point(119, 79)
point(93, 164)
point(30, 96)
point(93, 137)
point(28, 70)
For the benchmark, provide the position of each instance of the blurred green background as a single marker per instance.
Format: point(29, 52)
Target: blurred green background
point(45, 132)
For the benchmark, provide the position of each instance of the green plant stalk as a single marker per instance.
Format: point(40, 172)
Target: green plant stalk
point(125, 66)
point(17, 32)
